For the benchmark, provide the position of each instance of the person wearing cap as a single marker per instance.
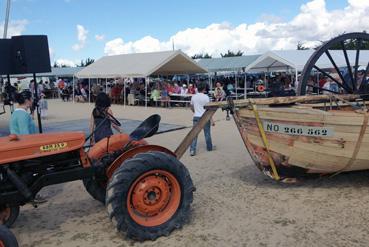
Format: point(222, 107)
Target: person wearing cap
point(184, 89)
point(21, 122)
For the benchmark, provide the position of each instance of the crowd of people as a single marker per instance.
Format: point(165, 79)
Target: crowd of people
point(9, 94)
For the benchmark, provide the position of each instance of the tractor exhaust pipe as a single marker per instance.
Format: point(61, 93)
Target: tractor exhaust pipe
point(19, 184)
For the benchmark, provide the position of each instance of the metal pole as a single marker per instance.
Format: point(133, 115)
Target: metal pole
point(210, 82)
point(89, 90)
point(36, 103)
point(147, 82)
point(6, 18)
point(236, 83)
point(245, 87)
point(296, 80)
point(73, 88)
point(124, 93)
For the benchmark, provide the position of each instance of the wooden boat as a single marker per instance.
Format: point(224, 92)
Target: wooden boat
point(304, 139)
point(293, 137)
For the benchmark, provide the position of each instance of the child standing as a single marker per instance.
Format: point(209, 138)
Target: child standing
point(43, 106)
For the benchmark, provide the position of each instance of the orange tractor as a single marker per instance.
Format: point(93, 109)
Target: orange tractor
point(146, 189)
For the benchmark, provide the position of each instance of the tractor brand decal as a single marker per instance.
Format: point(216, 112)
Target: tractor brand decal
point(53, 147)
point(291, 129)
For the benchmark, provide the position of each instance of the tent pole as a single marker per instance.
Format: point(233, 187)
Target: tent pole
point(106, 85)
point(236, 83)
point(89, 90)
point(245, 88)
point(210, 82)
point(73, 89)
point(124, 92)
point(296, 80)
point(146, 83)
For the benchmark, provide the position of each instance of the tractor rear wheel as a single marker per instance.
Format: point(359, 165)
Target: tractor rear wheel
point(96, 188)
point(8, 215)
point(7, 238)
point(149, 196)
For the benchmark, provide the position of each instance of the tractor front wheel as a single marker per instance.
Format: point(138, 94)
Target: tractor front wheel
point(149, 196)
point(7, 238)
point(8, 215)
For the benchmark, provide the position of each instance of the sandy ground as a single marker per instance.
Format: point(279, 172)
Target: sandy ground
point(234, 205)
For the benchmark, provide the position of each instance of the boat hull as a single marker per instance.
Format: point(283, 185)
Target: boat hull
point(303, 141)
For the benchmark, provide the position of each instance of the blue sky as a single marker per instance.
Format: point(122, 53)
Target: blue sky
point(133, 20)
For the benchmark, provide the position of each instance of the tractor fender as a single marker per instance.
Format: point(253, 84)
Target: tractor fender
point(110, 145)
point(131, 153)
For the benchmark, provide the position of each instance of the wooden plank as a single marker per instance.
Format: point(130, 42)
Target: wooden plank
point(186, 142)
point(336, 119)
point(283, 100)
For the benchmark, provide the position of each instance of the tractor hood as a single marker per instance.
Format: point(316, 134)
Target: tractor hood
point(21, 147)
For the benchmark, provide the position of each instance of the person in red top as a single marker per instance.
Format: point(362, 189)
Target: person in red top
point(115, 93)
point(191, 89)
point(170, 88)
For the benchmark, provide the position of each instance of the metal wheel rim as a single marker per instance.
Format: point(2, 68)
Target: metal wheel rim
point(148, 210)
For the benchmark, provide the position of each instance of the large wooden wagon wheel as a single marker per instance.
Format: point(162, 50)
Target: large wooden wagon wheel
point(351, 82)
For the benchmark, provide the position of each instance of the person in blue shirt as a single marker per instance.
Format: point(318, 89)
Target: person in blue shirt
point(21, 122)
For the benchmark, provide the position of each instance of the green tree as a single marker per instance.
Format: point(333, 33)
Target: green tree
point(300, 46)
point(86, 62)
point(350, 44)
point(232, 54)
point(201, 56)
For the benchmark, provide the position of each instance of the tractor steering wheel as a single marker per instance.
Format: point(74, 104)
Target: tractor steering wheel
point(113, 119)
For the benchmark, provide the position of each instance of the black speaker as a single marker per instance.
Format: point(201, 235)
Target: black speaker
point(5, 51)
point(30, 54)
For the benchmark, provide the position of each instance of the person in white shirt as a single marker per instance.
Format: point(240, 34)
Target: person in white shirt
point(198, 101)
point(183, 89)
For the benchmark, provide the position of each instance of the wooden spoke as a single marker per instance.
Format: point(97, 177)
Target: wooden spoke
point(333, 79)
point(347, 62)
point(335, 66)
point(357, 62)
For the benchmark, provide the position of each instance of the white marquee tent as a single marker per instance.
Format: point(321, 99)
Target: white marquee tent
point(295, 60)
point(141, 65)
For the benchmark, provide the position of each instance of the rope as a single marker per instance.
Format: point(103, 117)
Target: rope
point(266, 143)
point(357, 146)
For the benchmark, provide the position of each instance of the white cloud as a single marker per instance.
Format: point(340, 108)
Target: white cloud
point(99, 37)
point(146, 44)
point(312, 24)
point(16, 27)
point(67, 62)
point(82, 37)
